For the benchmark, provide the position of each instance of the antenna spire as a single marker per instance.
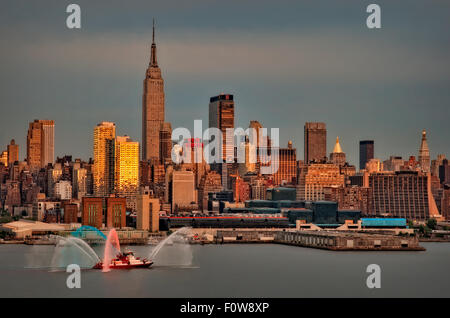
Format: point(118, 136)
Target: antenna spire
point(153, 37)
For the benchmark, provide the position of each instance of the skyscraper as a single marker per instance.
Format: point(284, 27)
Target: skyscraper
point(152, 107)
point(13, 152)
point(315, 142)
point(165, 143)
point(48, 142)
point(34, 145)
point(40, 143)
point(337, 156)
point(424, 154)
point(127, 169)
point(221, 116)
point(287, 165)
point(104, 158)
point(366, 152)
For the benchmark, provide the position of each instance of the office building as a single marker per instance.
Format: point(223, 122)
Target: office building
point(152, 107)
point(424, 154)
point(405, 194)
point(366, 152)
point(338, 156)
point(315, 178)
point(183, 189)
point(165, 143)
point(127, 170)
point(147, 217)
point(287, 166)
point(221, 116)
point(315, 142)
point(13, 152)
point(104, 158)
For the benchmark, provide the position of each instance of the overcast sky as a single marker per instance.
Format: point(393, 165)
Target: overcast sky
point(286, 62)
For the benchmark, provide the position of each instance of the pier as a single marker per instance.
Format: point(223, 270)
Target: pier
point(329, 240)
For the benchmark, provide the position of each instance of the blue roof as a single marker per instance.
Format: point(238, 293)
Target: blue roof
point(383, 222)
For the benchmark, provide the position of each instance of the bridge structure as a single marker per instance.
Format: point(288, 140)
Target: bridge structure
point(89, 233)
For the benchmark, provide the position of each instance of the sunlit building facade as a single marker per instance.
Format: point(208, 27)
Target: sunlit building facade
point(104, 158)
point(127, 169)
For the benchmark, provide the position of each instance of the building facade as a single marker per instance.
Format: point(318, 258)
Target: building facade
point(153, 100)
point(104, 158)
point(405, 194)
point(366, 152)
point(127, 170)
point(315, 142)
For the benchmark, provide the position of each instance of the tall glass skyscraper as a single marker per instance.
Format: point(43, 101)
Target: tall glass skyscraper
point(366, 152)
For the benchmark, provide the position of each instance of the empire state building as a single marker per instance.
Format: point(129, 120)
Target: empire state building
point(152, 107)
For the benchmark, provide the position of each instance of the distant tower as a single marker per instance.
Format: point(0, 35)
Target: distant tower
point(40, 143)
point(165, 143)
point(48, 142)
point(366, 152)
point(221, 116)
point(152, 107)
point(424, 153)
point(13, 152)
point(315, 142)
point(126, 169)
point(337, 156)
point(104, 158)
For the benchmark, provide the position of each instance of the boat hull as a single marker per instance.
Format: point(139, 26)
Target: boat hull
point(125, 266)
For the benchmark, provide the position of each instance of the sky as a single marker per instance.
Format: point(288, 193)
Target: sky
point(286, 62)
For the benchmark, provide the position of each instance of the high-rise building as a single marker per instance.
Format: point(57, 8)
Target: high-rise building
point(40, 143)
point(338, 156)
point(13, 152)
point(374, 165)
point(394, 163)
point(48, 142)
point(183, 189)
point(34, 145)
point(165, 143)
point(80, 183)
point(405, 194)
point(63, 190)
point(152, 107)
point(211, 182)
point(424, 154)
point(315, 142)
point(315, 178)
point(54, 174)
point(436, 163)
point(366, 152)
point(147, 217)
point(444, 172)
point(104, 158)
point(4, 158)
point(287, 166)
point(221, 116)
point(351, 198)
point(127, 169)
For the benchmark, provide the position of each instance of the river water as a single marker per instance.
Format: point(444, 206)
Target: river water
point(239, 270)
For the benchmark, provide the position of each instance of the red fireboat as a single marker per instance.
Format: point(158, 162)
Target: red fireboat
point(126, 260)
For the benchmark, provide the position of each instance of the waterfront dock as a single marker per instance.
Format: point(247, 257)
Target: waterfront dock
point(329, 240)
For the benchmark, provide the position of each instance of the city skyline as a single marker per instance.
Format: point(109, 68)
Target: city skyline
point(187, 100)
